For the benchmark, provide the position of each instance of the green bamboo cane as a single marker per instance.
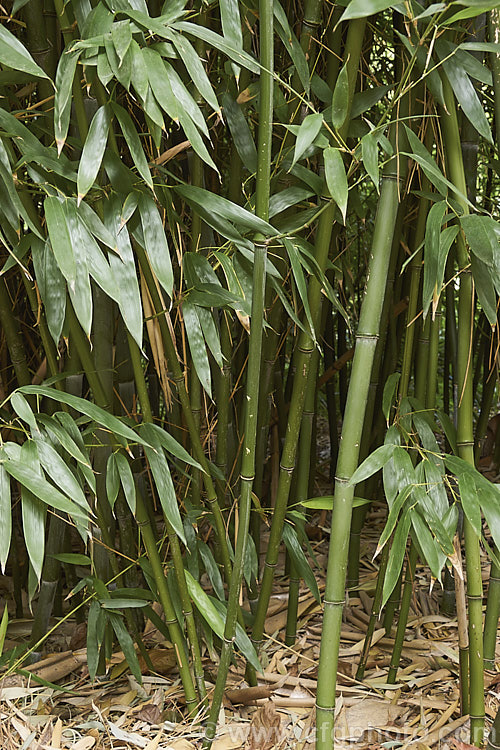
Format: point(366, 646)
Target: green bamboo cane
point(403, 614)
point(143, 519)
point(465, 435)
point(367, 489)
point(247, 476)
point(374, 614)
point(366, 340)
point(302, 489)
point(493, 601)
point(199, 453)
point(13, 337)
point(305, 348)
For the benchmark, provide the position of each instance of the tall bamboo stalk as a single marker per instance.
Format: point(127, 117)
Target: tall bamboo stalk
point(247, 476)
point(366, 340)
point(465, 434)
point(305, 348)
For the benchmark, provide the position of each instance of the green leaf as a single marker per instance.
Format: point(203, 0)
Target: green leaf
point(127, 480)
point(14, 55)
point(231, 27)
point(466, 95)
point(96, 622)
point(389, 394)
point(336, 178)
point(373, 463)
point(123, 603)
point(60, 237)
point(197, 345)
point(485, 288)
point(432, 260)
point(340, 99)
point(5, 517)
point(156, 245)
point(212, 569)
point(292, 46)
point(240, 132)
point(364, 8)
point(72, 558)
point(240, 57)
point(326, 502)
point(62, 101)
point(171, 445)
point(393, 516)
point(41, 489)
point(397, 555)
point(126, 643)
point(112, 480)
point(194, 66)
point(209, 611)
point(482, 234)
point(163, 481)
point(369, 155)
point(52, 286)
point(224, 208)
point(121, 34)
point(60, 473)
point(103, 418)
point(134, 143)
point(93, 151)
point(3, 628)
point(364, 100)
point(470, 501)
point(431, 169)
point(300, 561)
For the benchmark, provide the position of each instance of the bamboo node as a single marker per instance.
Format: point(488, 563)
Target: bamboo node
point(287, 469)
point(247, 479)
point(333, 603)
point(329, 709)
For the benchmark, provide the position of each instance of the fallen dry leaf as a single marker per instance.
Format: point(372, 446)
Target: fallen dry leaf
point(265, 728)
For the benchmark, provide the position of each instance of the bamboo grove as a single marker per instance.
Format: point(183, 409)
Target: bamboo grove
point(220, 224)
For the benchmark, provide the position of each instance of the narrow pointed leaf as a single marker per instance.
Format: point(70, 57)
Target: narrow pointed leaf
point(14, 55)
point(5, 516)
point(336, 178)
point(93, 151)
point(340, 99)
point(308, 131)
point(156, 243)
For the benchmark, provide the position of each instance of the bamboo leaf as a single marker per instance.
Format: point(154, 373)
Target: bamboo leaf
point(163, 481)
point(369, 155)
point(112, 480)
point(206, 606)
point(229, 211)
point(240, 57)
point(51, 285)
point(121, 35)
point(197, 345)
point(392, 518)
point(364, 8)
point(432, 257)
point(60, 473)
point(93, 151)
point(14, 55)
point(5, 516)
point(38, 486)
point(127, 480)
point(72, 558)
point(485, 287)
point(292, 45)
point(156, 245)
point(301, 562)
point(185, 101)
point(133, 143)
point(62, 101)
point(336, 178)
point(340, 99)
point(94, 412)
point(231, 27)
point(193, 63)
point(240, 132)
point(466, 95)
point(126, 643)
point(482, 234)
point(398, 549)
point(470, 501)
point(372, 464)
point(389, 394)
point(212, 569)
point(3, 628)
point(60, 237)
